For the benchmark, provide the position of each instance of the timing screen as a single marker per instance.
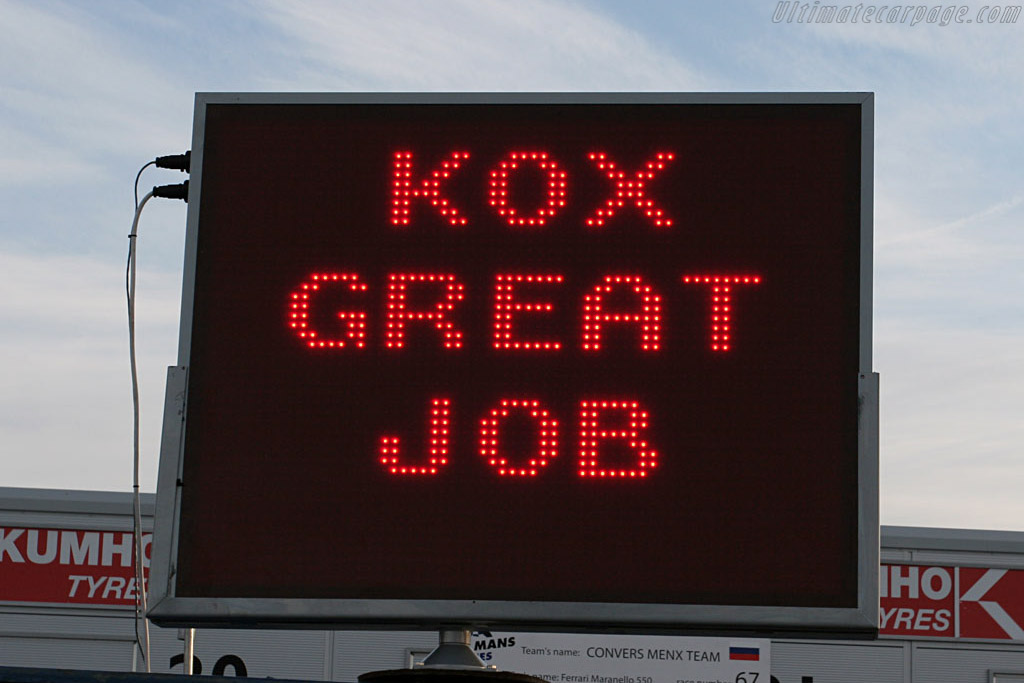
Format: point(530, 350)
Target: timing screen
point(584, 353)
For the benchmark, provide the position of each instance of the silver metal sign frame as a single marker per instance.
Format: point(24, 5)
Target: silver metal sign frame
point(167, 608)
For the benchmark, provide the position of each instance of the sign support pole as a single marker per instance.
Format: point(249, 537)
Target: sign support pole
point(190, 651)
point(453, 651)
point(452, 661)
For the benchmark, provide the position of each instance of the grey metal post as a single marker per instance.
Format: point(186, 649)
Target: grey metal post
point(453, 651)
point(190, 649)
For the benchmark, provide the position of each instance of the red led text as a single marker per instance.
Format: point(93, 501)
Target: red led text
point(623, 421)
point(602, 425)
point(399, 314)
point(721, 287)
point(404, 189)
point(630, 191)
point(507, 306)
point(501, 177)
point(354, 332)
point(390, 452)
point(646, 315)
point(514, 295)
point(490, 438)
point(418, 182)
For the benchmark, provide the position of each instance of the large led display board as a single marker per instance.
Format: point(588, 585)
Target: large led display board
point(539, 361)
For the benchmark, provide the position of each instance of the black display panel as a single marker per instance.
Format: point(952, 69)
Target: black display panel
point(557, 352)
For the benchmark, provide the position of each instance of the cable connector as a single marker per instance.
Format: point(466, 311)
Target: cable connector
point(182, 162)
point(179, 191)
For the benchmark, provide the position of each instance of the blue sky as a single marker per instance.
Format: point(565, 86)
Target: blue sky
point(89, 91)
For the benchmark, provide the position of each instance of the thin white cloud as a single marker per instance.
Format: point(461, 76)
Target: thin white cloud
point(985, 49)
point(969, 240)
point(30, 161)
point(950, 449)
point(482, 45)
point(65, 412)
point(72, 84)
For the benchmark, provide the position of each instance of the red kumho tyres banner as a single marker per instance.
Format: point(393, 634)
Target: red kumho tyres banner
point(69, 566)
point(951, 602)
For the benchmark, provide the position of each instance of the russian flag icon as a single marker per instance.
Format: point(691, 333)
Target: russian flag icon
point(745, 653)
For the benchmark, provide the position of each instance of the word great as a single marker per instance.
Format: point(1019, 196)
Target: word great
point(507, 304)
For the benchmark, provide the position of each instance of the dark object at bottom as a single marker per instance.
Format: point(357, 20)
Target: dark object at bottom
point(11, 674)
point(442, 675)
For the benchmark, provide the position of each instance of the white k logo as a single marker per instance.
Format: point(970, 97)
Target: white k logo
point(994, 609)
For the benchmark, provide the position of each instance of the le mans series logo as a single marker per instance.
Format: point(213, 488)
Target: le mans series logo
point(484, 644)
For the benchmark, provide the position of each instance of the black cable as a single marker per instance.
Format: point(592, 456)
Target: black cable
point(137, 176)
point(181, 162)
point(179, 191)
